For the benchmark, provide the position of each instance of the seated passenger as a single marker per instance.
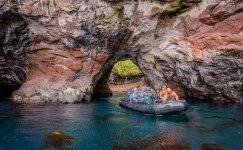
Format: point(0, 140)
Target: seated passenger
point(148, 96)
point(170, 95)
point(162, 93)
point(128, 93)
point(134, 96)
point(141, 87)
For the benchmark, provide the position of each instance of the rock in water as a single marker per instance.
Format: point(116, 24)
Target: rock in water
point(162, 141)
point(58, 140)
point(195, 47)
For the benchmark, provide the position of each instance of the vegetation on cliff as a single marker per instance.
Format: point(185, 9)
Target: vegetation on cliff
point(126, 69)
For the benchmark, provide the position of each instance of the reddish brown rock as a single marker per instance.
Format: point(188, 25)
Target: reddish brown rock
point(77, 54)
point(96, 69)
point(155, 11)
point(75, 66)
point(219, 12)
point(66, 49)
point(102, 57)
point(137, 17)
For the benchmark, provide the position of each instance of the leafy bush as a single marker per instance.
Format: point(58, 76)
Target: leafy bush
point(126, 69)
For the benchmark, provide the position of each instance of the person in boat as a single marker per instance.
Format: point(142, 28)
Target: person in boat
point(170, 94)
point(141, 88)
point(128, 93)
point(133, 97)
point(148, 95)
point(162, 93)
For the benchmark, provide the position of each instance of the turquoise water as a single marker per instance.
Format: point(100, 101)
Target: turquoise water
point(103, 124)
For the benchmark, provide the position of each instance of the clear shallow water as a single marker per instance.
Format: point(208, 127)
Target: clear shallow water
point(103, 124)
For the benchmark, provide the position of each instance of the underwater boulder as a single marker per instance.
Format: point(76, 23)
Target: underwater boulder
point(162, 141)
point(58, 140)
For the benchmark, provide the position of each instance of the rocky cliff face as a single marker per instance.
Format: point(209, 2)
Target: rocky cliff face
point(14, 41)
point(196, 47)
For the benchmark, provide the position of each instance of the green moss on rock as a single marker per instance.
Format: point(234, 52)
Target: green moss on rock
point(178, 7)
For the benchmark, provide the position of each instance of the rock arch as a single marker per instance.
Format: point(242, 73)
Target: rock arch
point(101, 87)
point(193, 46)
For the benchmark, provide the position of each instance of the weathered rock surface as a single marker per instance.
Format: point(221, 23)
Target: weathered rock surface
point(14, 42)
point(195, 47)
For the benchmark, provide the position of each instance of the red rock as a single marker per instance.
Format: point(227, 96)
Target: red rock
point(71, 27)
point(77, 54)
point(96, 69)
point(137, 18)
point(60, 68)
point(155, 11)
point(88, 64)
point(197, 54)
point(102, 57)
point(75, 66)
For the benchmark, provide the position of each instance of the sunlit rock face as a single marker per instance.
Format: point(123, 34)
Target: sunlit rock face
point(195, 47)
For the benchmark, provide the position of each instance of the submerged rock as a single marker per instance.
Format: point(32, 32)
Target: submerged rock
point(194, 47)
point(58, 140)
point(206, 146)
point(162, 141)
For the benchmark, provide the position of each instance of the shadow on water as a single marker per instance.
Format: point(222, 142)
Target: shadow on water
point(9, 112)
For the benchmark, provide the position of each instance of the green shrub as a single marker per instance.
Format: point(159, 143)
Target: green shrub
point(126, 69)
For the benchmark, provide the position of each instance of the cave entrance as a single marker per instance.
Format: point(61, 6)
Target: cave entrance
point(125, 74)
point(14, 42)
point(117, 76)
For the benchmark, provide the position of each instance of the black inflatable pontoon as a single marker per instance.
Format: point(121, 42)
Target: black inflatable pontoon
point(170, 107)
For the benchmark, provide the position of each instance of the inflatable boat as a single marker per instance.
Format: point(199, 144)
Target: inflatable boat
point(169, 107)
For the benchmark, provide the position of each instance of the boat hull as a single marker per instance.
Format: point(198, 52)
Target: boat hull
point(170, 107)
